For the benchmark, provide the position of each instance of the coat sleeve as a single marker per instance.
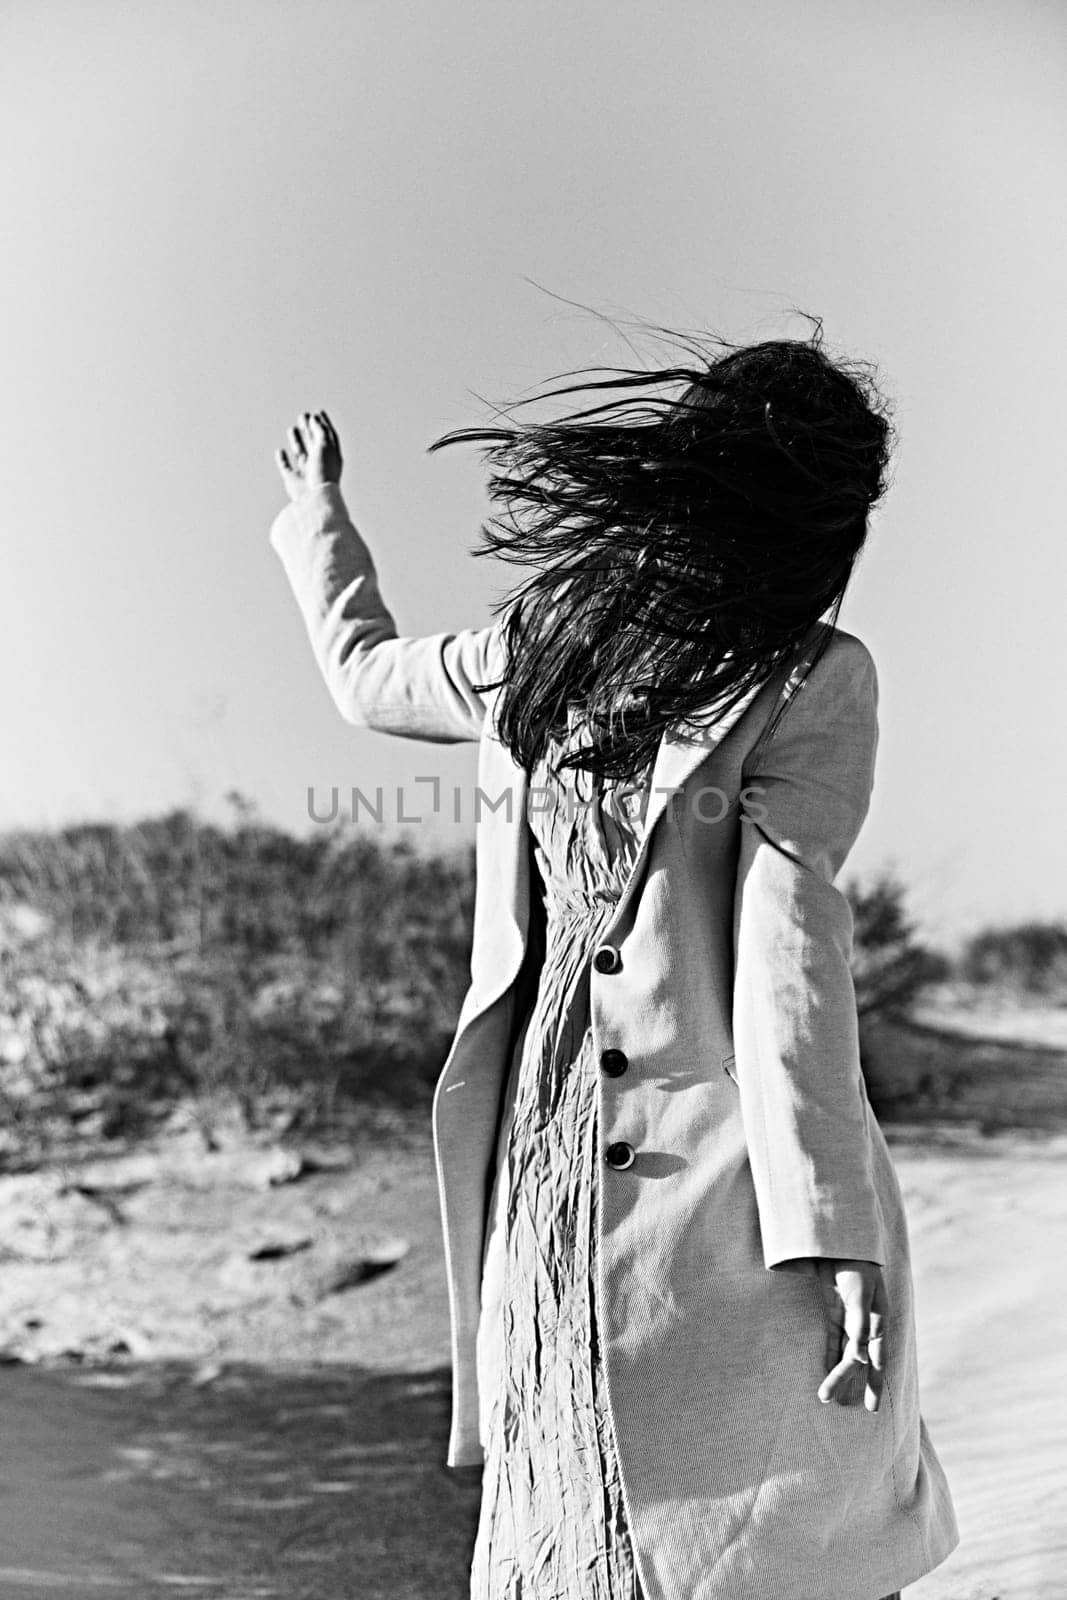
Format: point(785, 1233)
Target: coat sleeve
point(803, 1100)
point(419, 688)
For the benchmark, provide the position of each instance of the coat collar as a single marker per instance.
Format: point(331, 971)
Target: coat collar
point(681, 751)
point(502, 905)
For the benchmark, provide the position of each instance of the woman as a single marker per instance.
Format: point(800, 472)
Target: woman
point(683, 1337)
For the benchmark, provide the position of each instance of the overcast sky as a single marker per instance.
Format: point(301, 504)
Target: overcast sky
point(217, 215)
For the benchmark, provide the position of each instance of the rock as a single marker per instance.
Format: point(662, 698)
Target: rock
point(129, 1342)
point(324, 1159)
point(371, 1259)
point(278, 1249)
point(282, 1166)
point(249, 1167)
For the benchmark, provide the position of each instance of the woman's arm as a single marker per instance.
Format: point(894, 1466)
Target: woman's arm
point(795, 1029)
point(796, 1041)
point(418, 688)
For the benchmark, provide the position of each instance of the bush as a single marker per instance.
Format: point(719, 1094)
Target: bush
point(890, 965)
point(142, 964)
point(1030, 957)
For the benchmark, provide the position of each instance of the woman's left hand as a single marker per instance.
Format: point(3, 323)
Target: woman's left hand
point(854, 1296)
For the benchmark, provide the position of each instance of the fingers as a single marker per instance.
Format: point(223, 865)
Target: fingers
point(858, 1322)
point(855, 1352)
point(312, 455)
point(300, 437)
point(309, 424)
point(313, 428)
point(876, 1343)
point(864, 1328)
point(845, 1383)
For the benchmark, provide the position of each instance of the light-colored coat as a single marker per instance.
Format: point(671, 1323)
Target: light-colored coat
point(743, 1099)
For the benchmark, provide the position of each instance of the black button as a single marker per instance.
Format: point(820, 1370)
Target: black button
point(620, 1155)
point(607, 959)
point(614, 1062)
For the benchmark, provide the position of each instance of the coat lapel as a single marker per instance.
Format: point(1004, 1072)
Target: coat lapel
point(502, 845)
point(680, 752)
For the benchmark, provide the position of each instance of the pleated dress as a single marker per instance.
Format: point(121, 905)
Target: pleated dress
point(552, 1524)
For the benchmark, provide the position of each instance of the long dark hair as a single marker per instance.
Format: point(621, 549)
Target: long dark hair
point(685, 549)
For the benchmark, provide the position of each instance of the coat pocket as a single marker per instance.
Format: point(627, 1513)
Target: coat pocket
point(728, 1068)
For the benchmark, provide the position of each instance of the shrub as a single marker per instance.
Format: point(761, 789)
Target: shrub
point(140, 964)
point(890, 965)
point(1030, 957)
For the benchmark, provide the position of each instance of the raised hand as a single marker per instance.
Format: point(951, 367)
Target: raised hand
point(313, 456)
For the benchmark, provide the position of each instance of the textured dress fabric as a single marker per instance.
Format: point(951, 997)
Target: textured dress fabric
point(553, 1523)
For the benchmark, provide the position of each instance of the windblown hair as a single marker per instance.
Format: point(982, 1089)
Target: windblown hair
point(686, 548)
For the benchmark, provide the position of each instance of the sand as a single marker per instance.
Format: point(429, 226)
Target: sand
point(988, 1224)
point(175, 1279)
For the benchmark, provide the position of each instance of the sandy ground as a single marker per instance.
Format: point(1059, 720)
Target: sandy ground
point(245, 1253)
point(281, 1483)
point(988, 1224)
point(185, 1442)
